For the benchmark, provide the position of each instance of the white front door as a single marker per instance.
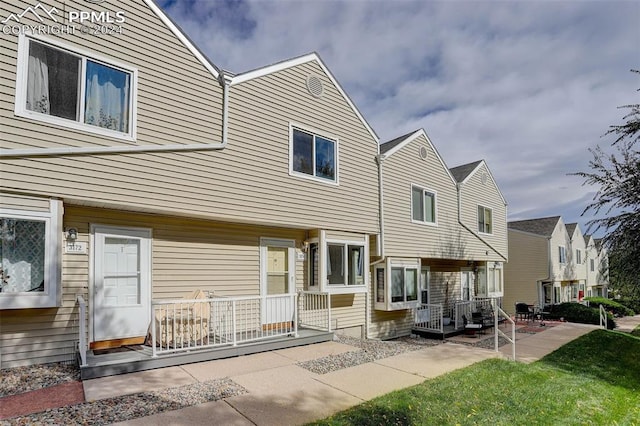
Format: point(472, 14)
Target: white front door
point(277, 270)
point(122, 283)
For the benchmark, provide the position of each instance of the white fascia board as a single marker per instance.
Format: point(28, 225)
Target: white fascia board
point(280, 66)
point(414, 136)
point(175, 29)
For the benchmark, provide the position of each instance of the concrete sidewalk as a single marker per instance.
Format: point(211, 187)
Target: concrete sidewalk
point(627, 324)
point(281, 393)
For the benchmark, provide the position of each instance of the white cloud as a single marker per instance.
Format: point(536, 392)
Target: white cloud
point(528, 86)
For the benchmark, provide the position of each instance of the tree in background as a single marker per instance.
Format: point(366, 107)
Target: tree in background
point(616, 204)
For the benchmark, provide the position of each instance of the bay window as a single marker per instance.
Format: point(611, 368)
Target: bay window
point(398, 284)
point(338, 266)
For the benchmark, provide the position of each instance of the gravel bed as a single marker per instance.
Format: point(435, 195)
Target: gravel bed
point(369, 350)
point(24, 379)
point(111, 410)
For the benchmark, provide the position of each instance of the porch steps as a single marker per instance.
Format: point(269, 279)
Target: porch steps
point(131, 361)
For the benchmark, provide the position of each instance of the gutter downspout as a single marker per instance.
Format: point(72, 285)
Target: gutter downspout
point(88, 150)
point(458, 188)
point(379, 241)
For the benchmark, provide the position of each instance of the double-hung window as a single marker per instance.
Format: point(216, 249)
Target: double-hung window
point(345, 264)
point(58, 85)
point(485, 220)
point(562, 255)
point(578, 256)
point(29, 256)
point(423, 205)
point(593, 265)
point(313, 155)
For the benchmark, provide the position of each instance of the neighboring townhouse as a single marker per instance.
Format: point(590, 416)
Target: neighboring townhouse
point(132, 171)
point(576, 291)
point(542, 266)
point(434, 248)
point(597, 265)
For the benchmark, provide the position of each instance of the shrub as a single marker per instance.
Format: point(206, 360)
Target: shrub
point(633, 304)
point(618, 309)
point(575, 312)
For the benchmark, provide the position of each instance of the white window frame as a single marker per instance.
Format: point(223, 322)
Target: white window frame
point(497, 285)
point(435, 205)
point(51, 296)
point(578, 257)
point(425, 285)
point(323, 280)
point(592, 265)
point(314, 133)
point(385, 303)
point(562, 255)
point(480, 206)
point(21, 88)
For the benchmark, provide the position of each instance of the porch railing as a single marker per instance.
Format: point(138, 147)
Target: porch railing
point(429, 318)
point(314, 310)
point(467, 307)
point(498, 312)
point(603, 316)
point(184, 325)
point(82, 330)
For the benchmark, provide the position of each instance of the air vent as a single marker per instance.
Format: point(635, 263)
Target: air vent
point(314, 85)
point(423, 152)
point(484, 178)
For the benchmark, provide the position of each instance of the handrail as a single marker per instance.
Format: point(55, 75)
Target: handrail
point(497, 312)
point(82, 330)
point(603, 317)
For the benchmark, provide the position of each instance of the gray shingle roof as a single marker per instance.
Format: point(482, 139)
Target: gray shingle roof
point(543, 226)
point(571, 227)
point(460, 173)
point(388, 146)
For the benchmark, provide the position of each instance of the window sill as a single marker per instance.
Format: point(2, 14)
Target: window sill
point(313, 178)
point(27, 301)
point(417, 222)
point(351, 289)
point(396, 306)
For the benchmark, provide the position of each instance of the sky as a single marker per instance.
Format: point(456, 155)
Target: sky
point(528, 86)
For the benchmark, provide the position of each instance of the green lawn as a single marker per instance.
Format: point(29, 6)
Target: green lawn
point(593, 380)
point(636, 331)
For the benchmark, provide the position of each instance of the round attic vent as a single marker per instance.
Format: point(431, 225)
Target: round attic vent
point(484, 178)
point(423, 152)
point(314, 86)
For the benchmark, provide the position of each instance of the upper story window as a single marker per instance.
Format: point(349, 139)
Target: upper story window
point(313, 155)
point(593, 265)
point(423, 205)
point(578, 256)
point(562, 255)
point(60, 86)
point(485, 220)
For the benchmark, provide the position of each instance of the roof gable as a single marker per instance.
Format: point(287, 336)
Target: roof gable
point(391, 147)
point(311, 57)
point(461, 173)
point(543, 226)
point(182, 36)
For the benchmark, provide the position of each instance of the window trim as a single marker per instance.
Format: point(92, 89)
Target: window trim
point(21, 88)
point(324, 135)
point(435, 205)
point(50, 297)
point(480, 206)
point(386, 304)
point(562, 255)
point(323, 285)
point(578, 256)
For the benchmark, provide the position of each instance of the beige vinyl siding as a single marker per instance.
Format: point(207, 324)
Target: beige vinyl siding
point(18, 202)
point(348, 312)
point(528, 264)
point(390, 324)
point(404, 238)
point(562, 271)
point(591, 253)
point(473, 194)
point(179, 102)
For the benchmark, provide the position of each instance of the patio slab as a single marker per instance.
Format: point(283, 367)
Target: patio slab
point(287, 395)
point(319, 350)
point(210, 370)
point(143, 381)
point(210, 413)
point(367, 381)
point(437, 360)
